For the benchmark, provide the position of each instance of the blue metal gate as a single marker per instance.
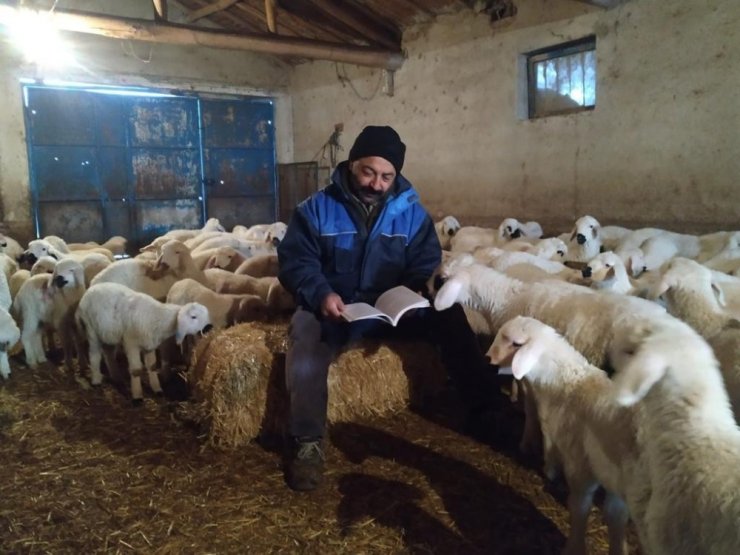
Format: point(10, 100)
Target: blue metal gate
point(136, 164)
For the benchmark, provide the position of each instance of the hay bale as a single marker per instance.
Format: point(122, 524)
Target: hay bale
point(238, 383)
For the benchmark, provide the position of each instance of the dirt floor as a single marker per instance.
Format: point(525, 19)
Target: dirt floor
point(83, 471)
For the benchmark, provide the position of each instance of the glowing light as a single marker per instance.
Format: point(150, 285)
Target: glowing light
point(36, 36)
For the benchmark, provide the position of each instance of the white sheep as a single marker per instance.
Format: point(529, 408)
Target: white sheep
point(608, 273)
point(278, 298)
point(446, 229)
point(212, 227)
point(585, 239)
point(112, 314)
point(8, 265)
point(688, 439)
point(468, 238)
point(9, 336)
point(10, 246)
point(586, 434)
point(691, 294)
point(32, 307)
point(551, 248)
point(17, 280)
point(116, 245)
point(263, 265)
point(218, 256)
point(225, 309)
point(68, 286)
point(174, 263)
point(275, 233)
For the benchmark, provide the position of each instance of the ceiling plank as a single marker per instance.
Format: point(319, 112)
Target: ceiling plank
point(171, 33)
point(270, 15)
point(343, 12)
point(160, 10)
point(209, 9)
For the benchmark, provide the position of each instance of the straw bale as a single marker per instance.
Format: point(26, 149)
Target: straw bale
point(237, 379)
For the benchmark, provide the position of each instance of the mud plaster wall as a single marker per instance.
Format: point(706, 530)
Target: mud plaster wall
point(118, 62)
point(662, 147)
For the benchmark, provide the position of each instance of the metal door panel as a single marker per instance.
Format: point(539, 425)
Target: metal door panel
point(156, 217)
point(164, 122)
point(166, 173)
point(76, 222)
point(65, 172)
point(55, 118)
point(111, 118)
point(245, 123)
point(244, 211)
point(113, 171)
point(118, 219)
point(239, 172)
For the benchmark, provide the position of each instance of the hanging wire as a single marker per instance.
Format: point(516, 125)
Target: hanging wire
point(133, 54)
point(345, 80)
point(330, 148)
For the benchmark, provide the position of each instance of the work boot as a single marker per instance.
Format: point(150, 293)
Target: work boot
point(305, 464)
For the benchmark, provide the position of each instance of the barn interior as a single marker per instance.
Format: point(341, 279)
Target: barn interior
point(136, 118)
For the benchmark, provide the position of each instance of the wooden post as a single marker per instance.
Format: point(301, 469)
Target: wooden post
point(160, 10)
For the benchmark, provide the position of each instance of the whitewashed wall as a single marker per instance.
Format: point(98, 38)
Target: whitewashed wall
point(661, 148)
point(119, 62)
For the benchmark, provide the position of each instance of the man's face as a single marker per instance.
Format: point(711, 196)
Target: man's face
point(371, 178)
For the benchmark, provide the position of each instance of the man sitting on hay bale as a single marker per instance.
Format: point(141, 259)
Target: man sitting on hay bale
point(363, 234)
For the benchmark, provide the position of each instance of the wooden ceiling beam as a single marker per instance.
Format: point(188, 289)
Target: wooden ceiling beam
point(209, 10)
point(171, 33)
point(359, 22)
point(160, 10)
point(606, 4)
point(285, 23)
point(270, 9)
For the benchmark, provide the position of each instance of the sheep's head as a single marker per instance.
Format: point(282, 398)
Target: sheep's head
point(275, 233)
point(602, 267)
point(38, 248)
point(449, 266)
point(279, 299)
point(155, 245)
point(520, 343)
point(450, 226)
point(192, 318)
point(213, 224)
point(690, 275)
point(509, 229)
point(172, 256)
point(247, 309)
point(44, 265)
point(586, 229)
point(68, 273)
point(223, 258)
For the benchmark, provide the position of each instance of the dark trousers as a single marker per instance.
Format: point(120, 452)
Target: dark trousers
point(315, 342)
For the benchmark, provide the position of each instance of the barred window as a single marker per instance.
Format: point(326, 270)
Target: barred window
point(562, 79)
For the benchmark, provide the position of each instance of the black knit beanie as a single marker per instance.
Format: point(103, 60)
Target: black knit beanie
point(380, 141)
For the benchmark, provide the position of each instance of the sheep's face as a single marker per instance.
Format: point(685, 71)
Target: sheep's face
point(192, 318)
point(561, 249)
point(222, 258)
point(276, 233)
point(515, 345)
point(68, 274)
point(602, 267)
point(171, 256)
point(586, 229)
point(447, 269)
point(688, 275)
point(213, 224)
point(38, 248)
point(450, 226)
point(509, 229)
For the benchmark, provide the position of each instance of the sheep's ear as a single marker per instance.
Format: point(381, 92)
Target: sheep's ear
point(79, 274)
point(634, 381)
point(594, 232)
point(573, 235)
point(448, 293)
point(525, 359)
point(211, 263)
point(610, 272)
point(719, 294)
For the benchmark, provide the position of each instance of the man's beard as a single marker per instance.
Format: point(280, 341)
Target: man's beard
point(366, 194)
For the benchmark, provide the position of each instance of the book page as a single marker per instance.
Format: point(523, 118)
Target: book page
point(362, 311)
point(398, 300)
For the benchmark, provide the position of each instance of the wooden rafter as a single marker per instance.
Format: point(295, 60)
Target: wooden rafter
point(209, 9)
point(293, 25)
point(606, 4)
point(359, 22)
point(160, 10)
point(270, 15)
point(171, 33)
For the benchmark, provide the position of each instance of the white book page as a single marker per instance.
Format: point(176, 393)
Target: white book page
point(398, 300)
point(362, 311)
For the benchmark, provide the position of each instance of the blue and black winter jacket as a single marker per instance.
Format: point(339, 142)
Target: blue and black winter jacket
point(327, 247)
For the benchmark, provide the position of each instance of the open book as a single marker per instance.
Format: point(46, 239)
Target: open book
point(389, 307)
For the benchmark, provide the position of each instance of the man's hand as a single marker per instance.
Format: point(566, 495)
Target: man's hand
point(332, 306)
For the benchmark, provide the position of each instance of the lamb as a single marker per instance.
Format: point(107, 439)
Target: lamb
point(585, 239)
point(278, 299)
point(17, 280)
point(523, 265)
point(219, 257)
point(40, 247)
point(469, 238)
point(728, 259)
point(446, 228)
point(116, 245)
point(225, 309)
point(691, 295)
point(585, 432)
point(275, 233)
point(112, 314)
point(585, 318)
point(10, 246)
point(689, 440)
point(173, 264)
point(264, 265)
point(8, 265)
point(32, 307)
point(9, 336)
point(68, 285)
point(552, 248)
point(246, 248)
point(607, 272)
point(212, 227)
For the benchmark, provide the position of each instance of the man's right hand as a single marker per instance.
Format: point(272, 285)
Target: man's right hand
point(332, 306)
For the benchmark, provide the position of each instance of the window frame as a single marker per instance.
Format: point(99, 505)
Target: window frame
point(561, 50)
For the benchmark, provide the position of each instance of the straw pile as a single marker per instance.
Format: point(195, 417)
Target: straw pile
point(237, 381)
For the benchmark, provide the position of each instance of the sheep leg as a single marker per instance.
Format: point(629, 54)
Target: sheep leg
point(95, 348)
point(150, 361)
point(32, 343)
point(4, 364)
point(616, 516)
point(531, 442)
point(580, 500)
point(114, 372)
point(135, 368)
point(552, 460)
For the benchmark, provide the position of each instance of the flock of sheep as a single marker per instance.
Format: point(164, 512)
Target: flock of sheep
point(659, 312)
point(100, 303)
